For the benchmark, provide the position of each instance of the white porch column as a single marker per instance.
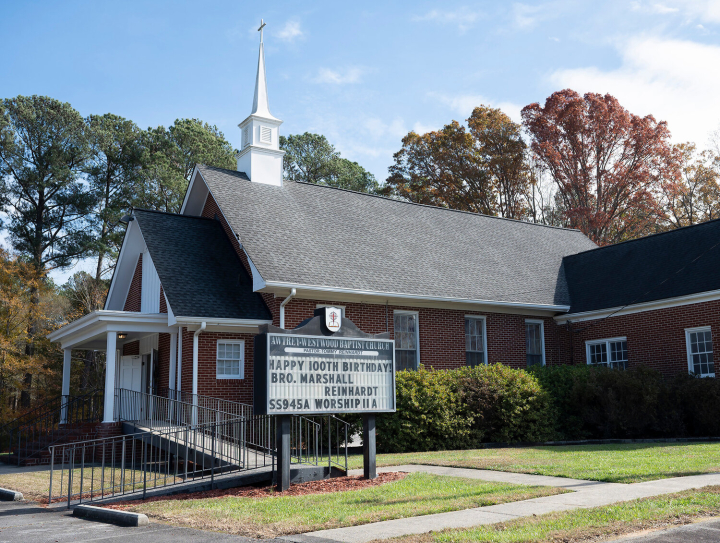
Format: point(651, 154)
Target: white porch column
point(67, 362)
point(110, 377)
point(178, 387)
point(173, 361)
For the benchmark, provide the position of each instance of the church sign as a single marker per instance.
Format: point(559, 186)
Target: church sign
point(317, 370)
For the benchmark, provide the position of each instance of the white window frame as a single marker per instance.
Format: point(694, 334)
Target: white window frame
point(340, 307)
point(542, 337)
point(607, 342)
point(242, 358)
point(417, 329)
point(689, 331)
point(484, 336)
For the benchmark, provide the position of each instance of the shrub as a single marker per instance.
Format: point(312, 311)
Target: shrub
point(430, 415)
point(507, 405)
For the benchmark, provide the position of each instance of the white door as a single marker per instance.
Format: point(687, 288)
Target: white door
point(131, 406)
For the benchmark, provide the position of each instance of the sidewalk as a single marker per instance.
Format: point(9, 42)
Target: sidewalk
point(585, 494)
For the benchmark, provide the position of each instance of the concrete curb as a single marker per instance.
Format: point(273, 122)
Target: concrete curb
point(111, 516)
point(10, 495)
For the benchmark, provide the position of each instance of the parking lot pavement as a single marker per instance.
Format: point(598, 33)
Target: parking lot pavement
point(701, 532)
point(23, 522)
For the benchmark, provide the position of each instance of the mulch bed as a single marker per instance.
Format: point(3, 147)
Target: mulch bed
point(336, 484)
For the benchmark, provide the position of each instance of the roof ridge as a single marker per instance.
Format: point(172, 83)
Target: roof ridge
point(387, 198)
point(134, 209)
point(655, 235)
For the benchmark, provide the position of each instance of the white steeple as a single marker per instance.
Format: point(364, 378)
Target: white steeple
point(260, 157)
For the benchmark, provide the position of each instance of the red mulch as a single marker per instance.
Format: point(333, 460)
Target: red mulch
point(336, 484)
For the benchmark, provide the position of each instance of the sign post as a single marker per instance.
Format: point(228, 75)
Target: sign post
point(325, 366)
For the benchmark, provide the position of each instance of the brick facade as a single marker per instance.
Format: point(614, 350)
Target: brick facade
point(132, 302)
point(655, 338)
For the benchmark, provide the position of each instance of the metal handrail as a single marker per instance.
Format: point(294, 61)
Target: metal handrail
point(31, 438)
point(208, 402)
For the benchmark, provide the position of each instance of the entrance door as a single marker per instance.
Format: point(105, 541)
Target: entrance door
point(131, 408)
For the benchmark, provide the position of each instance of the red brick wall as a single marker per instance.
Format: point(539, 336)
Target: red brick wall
point(163, 361)
point(132, 302)
point(237, 390)
point(655, 338)
point(131, 348)
point(163, 303)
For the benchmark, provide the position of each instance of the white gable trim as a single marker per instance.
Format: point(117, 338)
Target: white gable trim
point(150, 292)
point(133, 244)
point(697, 298)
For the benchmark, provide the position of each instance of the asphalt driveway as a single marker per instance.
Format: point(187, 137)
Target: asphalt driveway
point(24, 522)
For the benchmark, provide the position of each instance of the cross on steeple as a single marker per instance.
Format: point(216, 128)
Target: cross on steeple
point(262, 25)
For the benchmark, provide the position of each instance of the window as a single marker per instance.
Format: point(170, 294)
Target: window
point(340, 307)
point(534, 343)
point(609, 352)
point(475, 341)
point(405, 324)
point(700, 351)
point(231, 360)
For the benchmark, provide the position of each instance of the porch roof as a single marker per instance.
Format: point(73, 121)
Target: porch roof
point(90, 331)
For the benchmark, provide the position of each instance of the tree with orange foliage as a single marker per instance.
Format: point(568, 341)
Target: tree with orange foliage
point(695, 196)
point(608, 165)
point(481, 168)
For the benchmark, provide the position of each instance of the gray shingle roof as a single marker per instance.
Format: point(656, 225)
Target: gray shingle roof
point(200, 272)
point(320, 236)
point(668, 265)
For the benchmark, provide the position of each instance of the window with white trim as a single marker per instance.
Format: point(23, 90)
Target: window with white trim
point(475, 341)
point(407, 337)
point(534, 343)
point(230, 360)
point(700, 351)
point(612, 353)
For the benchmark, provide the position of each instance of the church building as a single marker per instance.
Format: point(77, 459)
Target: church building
point(452, 288)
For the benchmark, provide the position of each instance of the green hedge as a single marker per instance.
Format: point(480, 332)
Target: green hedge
point(456, 409)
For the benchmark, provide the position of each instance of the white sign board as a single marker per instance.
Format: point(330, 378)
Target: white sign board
point(319, 374)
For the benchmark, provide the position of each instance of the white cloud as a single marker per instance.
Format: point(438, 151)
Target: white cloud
point(673, 80)
point(706, 10)
point(420, 128)
point(290, 32)
point(463, 18)
point(377, 127)
point(528, 16)
point(339, 77)
point(463, 104)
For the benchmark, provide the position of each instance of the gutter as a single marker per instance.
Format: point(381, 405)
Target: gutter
point(293, 292)
point(399, 296)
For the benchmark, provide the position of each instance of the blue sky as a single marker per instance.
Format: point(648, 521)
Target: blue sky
point(364, 74)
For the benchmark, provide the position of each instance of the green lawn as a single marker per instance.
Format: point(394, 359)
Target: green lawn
point(416, 494)
point(626, 463)
point(589, 524)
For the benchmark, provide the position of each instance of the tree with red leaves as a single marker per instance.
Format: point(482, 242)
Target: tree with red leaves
point(608, 164)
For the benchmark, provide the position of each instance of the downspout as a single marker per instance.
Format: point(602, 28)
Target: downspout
point(196, 343)
point(293, 292)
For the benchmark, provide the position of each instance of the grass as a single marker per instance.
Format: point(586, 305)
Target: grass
point(589, 524)
point(416, 494)
point(35, 485)
point(622, 463)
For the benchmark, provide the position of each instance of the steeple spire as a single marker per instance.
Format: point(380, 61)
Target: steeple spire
point(260, 100)
point(260, 157)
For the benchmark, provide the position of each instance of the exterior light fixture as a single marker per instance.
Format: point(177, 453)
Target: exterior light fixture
point(122, 335)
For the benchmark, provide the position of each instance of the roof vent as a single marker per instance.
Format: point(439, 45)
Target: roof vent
point(265, 134)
